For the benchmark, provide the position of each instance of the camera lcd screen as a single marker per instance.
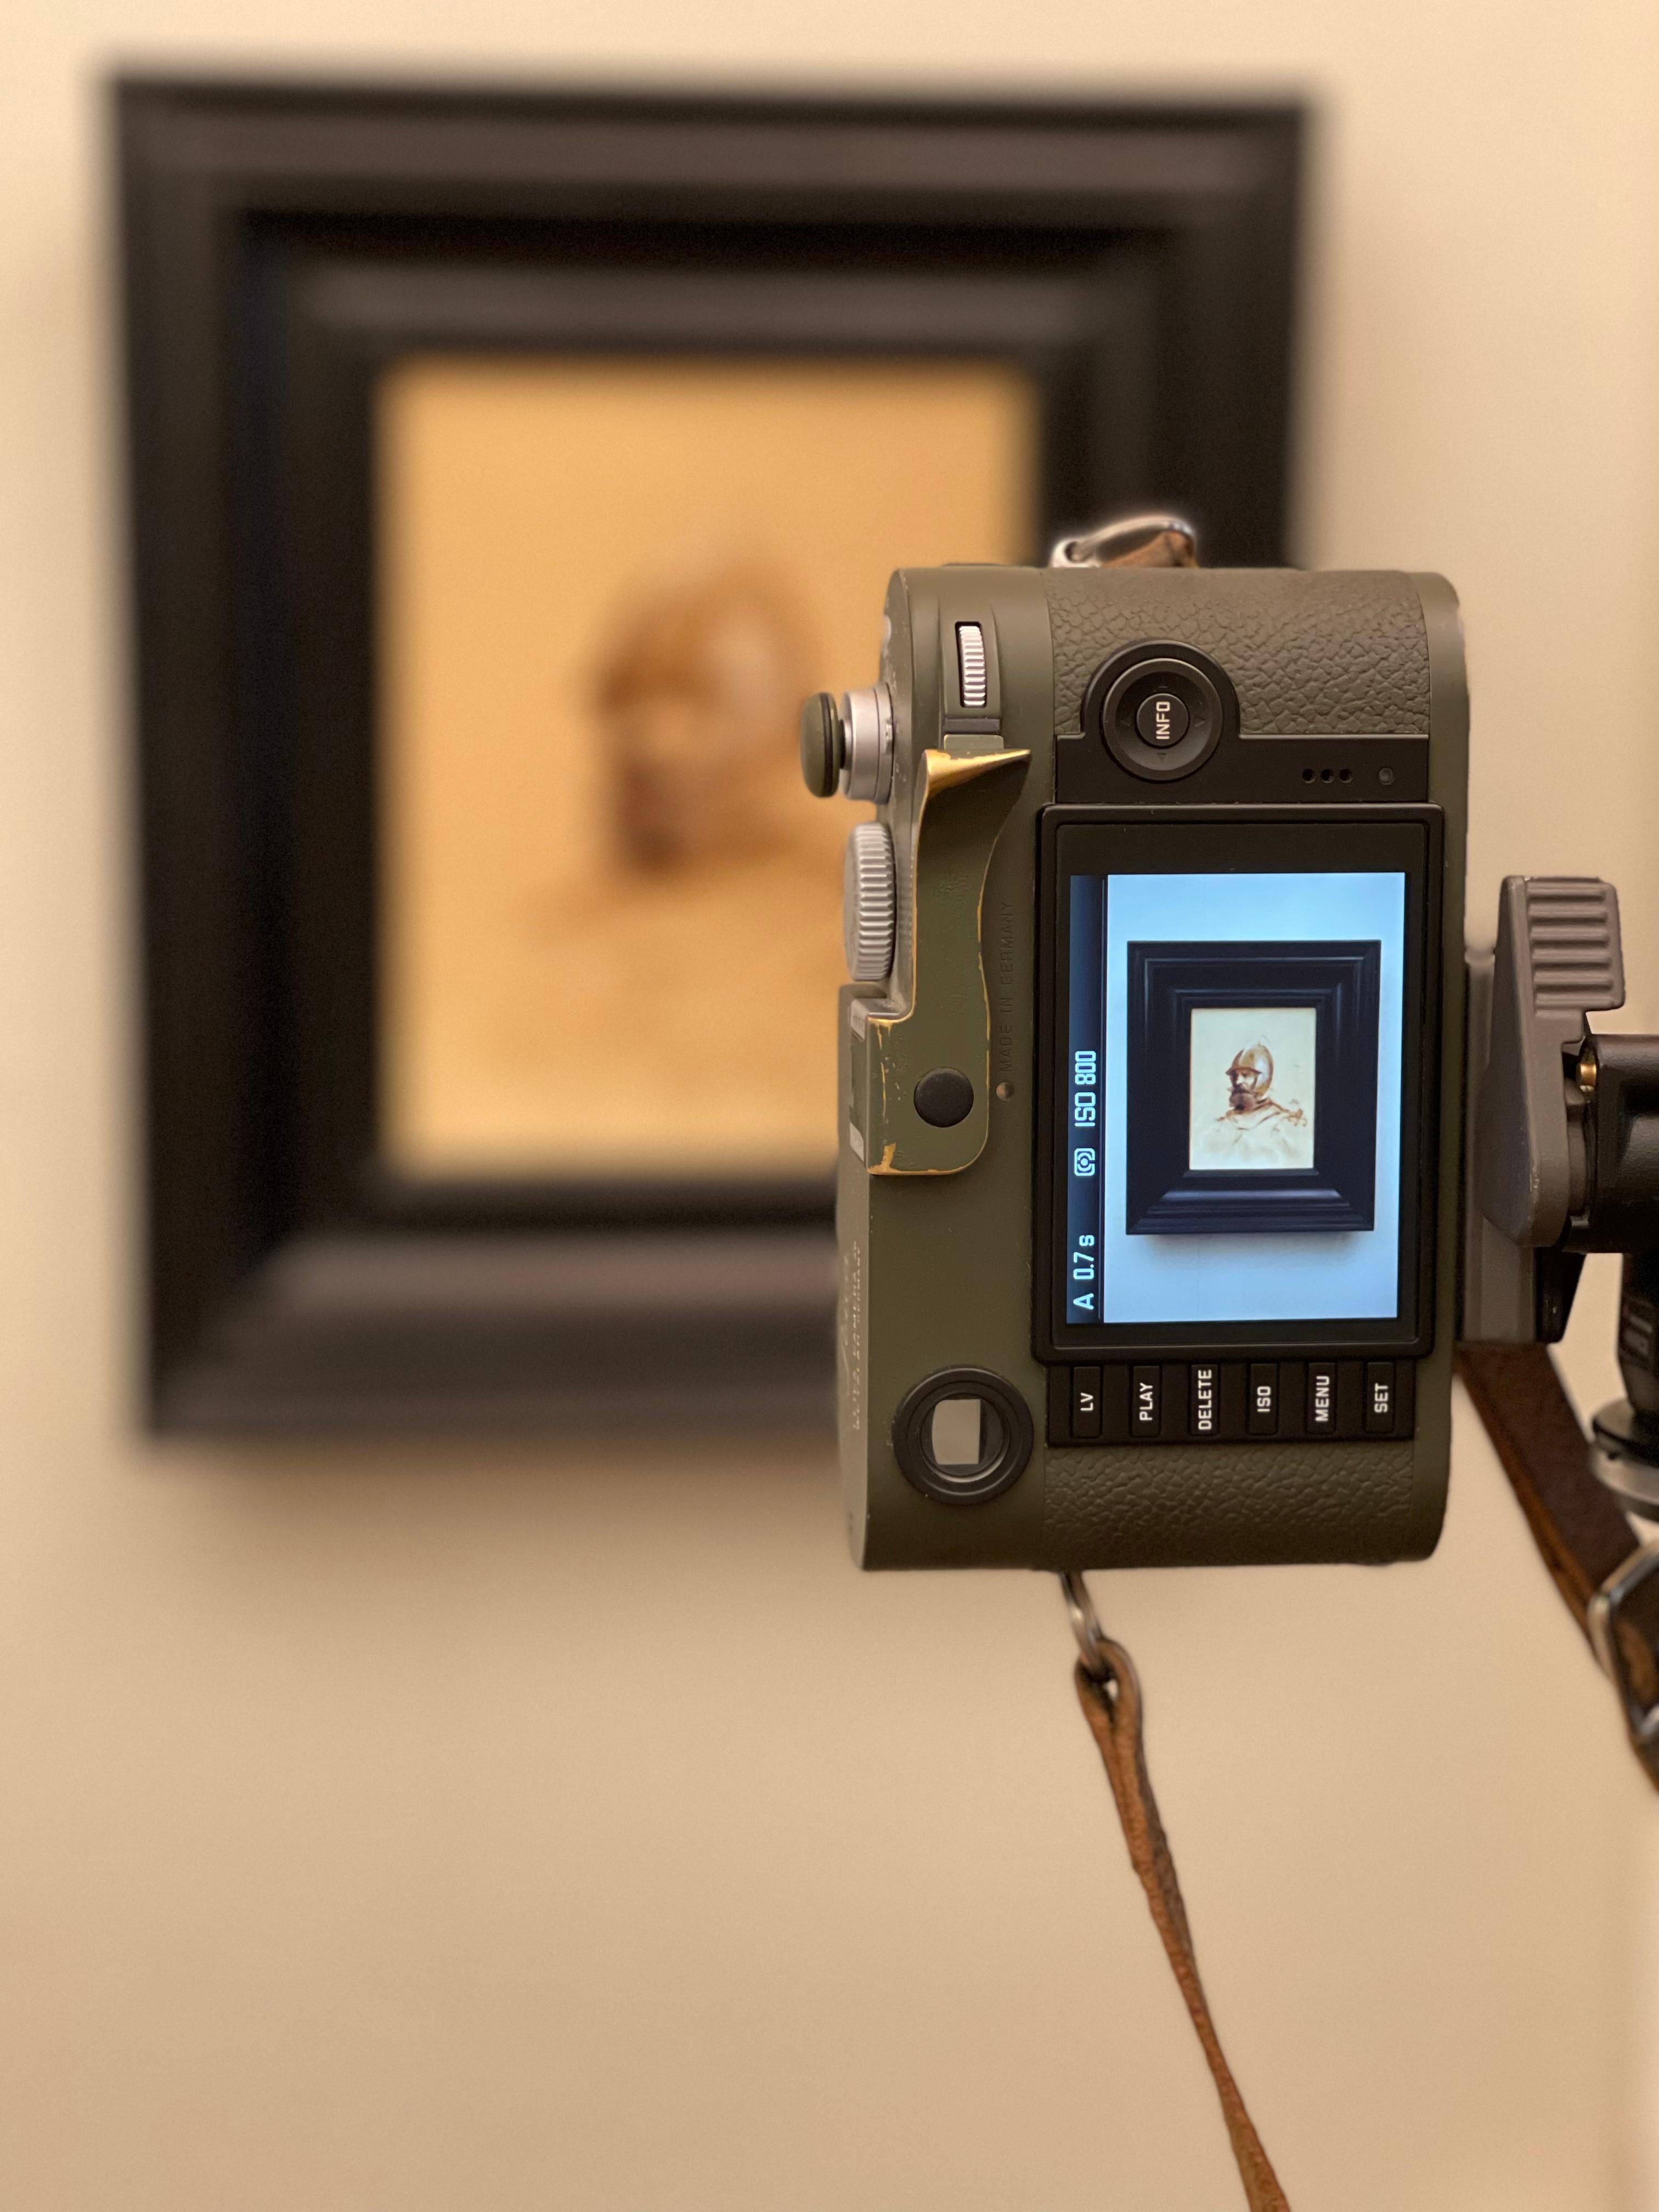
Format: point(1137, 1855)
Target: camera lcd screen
point(1236, 1039)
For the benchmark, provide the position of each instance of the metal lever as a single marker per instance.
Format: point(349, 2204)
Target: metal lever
point(1114, 541)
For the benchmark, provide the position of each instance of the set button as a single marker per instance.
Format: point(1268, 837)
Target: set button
point(1379, 1397)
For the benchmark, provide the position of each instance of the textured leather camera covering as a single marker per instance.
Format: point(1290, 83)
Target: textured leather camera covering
point(1311, 654)
point(1160, 1505)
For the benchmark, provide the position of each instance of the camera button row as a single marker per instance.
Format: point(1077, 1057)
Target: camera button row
point(1136, 1408)
point(1218, 1400)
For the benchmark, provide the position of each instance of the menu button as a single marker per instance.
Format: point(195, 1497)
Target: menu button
point(1321, 1398)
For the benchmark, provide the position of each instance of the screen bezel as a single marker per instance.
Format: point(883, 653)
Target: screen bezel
point(1170, 840)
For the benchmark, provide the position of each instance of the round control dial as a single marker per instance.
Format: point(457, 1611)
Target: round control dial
point(1161, 709)
point(869, 902)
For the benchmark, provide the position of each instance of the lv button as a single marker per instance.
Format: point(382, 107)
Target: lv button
point(1086, 1402)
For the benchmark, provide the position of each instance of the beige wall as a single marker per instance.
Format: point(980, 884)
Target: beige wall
point(448, 1828)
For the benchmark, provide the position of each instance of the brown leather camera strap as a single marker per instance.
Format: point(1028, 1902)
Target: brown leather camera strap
point(1110, 1698)
point(1594, 1559)
point(1581, 1531)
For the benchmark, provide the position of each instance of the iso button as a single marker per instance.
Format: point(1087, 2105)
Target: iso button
point(1261, 1414)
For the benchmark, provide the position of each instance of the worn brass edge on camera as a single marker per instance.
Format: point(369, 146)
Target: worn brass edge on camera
point(961, 804)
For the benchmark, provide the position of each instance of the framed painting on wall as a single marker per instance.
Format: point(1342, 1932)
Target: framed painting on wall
point(505, 467)
point(606, 586)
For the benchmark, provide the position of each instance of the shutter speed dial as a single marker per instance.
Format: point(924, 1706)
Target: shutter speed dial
point(869, 902)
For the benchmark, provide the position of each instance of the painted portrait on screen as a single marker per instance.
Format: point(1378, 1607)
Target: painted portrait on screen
point(1251, 1094)
point(1252, 1072)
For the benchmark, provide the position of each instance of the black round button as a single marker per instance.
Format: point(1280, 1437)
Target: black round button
point(945, 1098)
point(1162, 719)
point(822, 744)
point(963, 1436)
point(1161, 709)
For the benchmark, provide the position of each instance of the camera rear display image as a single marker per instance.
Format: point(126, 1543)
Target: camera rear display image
point(1255, 1129)
point(1236, 1077)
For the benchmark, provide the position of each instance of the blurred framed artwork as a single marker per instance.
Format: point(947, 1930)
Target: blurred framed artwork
point(607, 585)
point(505, 467)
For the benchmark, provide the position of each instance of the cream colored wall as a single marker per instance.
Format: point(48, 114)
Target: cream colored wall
point(446, 1827)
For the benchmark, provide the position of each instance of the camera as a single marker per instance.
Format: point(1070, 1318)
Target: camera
point(1150, 1090)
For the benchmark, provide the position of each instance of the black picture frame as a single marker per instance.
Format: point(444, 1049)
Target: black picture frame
point(1165, 1194)
point(282, 244)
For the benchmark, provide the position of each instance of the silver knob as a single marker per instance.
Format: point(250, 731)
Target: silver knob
point(868, 764)
point(869, 903)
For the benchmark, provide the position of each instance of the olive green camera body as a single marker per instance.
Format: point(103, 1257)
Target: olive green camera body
point(1149, 1078)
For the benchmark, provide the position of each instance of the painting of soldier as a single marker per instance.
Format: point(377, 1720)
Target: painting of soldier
point(611, 912)
point(1252, 1096)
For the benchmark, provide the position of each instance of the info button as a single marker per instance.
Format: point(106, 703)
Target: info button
point(1162, 719)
